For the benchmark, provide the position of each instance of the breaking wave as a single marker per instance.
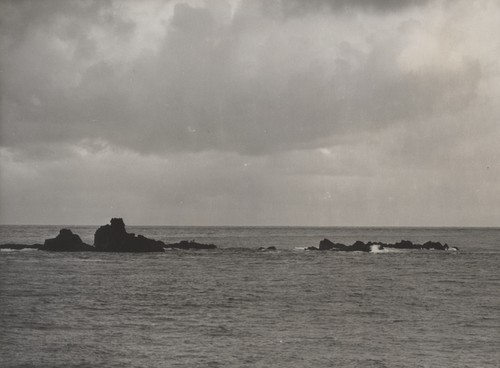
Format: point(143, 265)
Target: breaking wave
point(377, 248)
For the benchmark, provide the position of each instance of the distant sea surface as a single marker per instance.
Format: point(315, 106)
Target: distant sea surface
point(237, 306)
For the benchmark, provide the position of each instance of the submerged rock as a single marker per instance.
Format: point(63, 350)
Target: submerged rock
point(272, 247)
point(312, 248)
point(184, 244)
point(114, 238)
point(66, 241)
point(19, 246)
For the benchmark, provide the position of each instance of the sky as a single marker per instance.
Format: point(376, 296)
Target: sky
point(250, 112)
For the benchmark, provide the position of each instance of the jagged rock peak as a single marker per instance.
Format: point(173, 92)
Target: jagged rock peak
point(114, 238)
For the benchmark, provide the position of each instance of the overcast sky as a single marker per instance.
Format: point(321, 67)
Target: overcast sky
point(250, 112)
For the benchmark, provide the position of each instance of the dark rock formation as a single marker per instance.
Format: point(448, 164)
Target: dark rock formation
point(312, 248)
point(20, 246)
point(406, 244)
point(66, 241)
point(114, 238)
point(108, 238)
point(435, 245)
point(184, 244)
point(359, 246)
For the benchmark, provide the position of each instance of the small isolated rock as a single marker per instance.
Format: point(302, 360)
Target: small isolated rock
point(184, 244)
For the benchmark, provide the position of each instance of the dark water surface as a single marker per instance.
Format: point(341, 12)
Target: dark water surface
point(239, 307)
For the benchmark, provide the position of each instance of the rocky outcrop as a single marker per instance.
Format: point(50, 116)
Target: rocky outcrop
point(406, 244)
point(108, 238)
point(360, 246)
point(66, 241)
point(184, 244)
point(271, 248)
point(114, 238)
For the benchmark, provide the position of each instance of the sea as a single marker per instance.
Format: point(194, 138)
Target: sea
point(238, 306)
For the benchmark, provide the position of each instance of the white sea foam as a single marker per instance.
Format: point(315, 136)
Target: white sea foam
point(376, 248)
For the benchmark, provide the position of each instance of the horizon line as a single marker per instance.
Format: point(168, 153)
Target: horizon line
point(285, 226)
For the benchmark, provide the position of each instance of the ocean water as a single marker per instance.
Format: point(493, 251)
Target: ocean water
point(240, 307)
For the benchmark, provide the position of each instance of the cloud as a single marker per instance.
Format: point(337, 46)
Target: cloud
point(297, 7)
point(250, 112)
point(218, 79)
point(369, 182)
